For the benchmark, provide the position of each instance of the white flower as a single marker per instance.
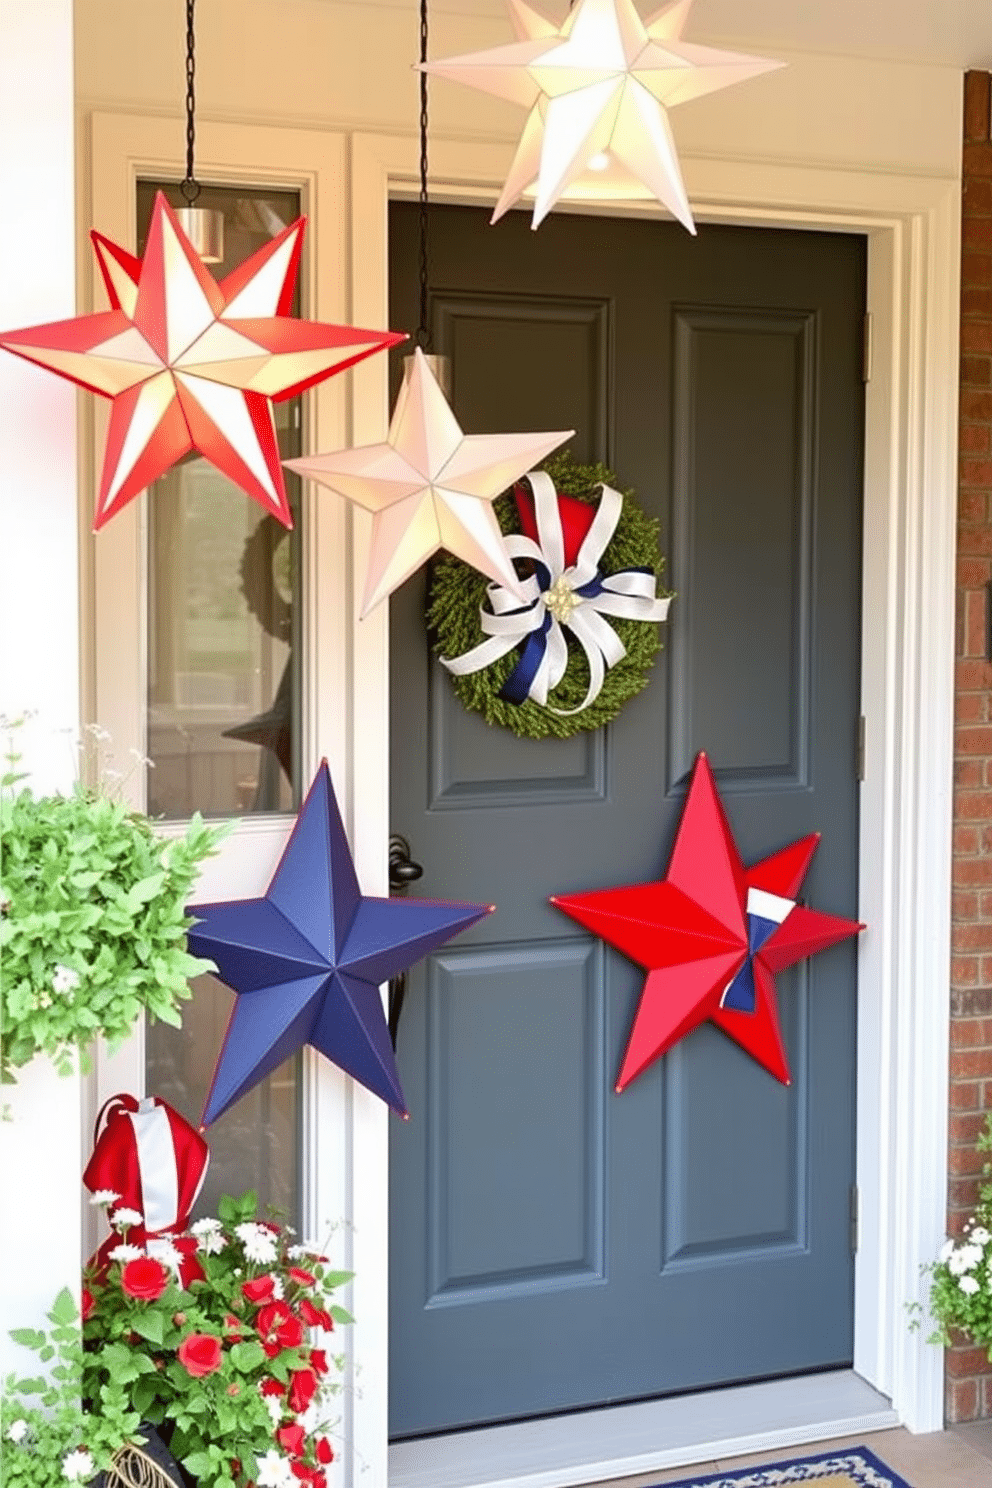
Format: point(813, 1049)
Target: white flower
point(298, 1252)
point(259, 1243)
point(968, 1285)
point(210, 1237)
point(204, 1226)
point(965, 1258)
point(17, 1431)
point(78, 1467)
point(163, 1251)
point(65, 980)
point(123, 1218)
point(125, 1253)
point(274, 1471)
point(104, 1196)
point(274, 1407)
point(212, 1242)
point(278, 1290)
point(979, 1236)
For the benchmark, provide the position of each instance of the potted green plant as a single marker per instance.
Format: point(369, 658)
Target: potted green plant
point(92, 920)
point(47, 1434)
point(961, 1276)
point(225, 1367)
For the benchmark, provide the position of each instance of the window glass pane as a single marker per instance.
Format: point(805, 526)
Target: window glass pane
point(223, 579)
point(255, 1143)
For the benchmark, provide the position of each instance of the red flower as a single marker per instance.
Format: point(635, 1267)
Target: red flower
point(302, 1278)
point(302, 1388)
point(200, 1354)
point(262, 1289)
point(144, 1279)
point(314, 1317)
point(325, 1452)
point(88, 1303)
point(291, 1439)
point(311, 1475)
point(233, 1326)
point(318, 1361)
point(277, 1325)
point(272, 1387)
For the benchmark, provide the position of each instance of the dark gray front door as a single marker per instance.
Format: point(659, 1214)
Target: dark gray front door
point(554, 1245)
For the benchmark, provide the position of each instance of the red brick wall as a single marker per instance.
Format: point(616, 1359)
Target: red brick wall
point(969, 1375)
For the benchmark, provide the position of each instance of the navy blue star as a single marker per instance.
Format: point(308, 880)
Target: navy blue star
point(307, 960)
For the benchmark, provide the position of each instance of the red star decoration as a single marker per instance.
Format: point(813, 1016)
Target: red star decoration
point(711, 936)
point(190, 364)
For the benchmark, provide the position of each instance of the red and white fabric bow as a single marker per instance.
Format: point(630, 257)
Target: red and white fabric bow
point(155, 1161)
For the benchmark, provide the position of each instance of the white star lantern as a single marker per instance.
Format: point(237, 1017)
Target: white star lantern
point(598, 88)
point(430, 486)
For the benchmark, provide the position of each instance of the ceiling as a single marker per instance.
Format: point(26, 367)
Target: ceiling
point(957, 33)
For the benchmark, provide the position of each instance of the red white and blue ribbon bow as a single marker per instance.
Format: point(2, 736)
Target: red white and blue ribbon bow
point(575, 598)
point(155, 1162)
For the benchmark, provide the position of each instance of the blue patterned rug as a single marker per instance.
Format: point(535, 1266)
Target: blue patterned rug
point(847, 1467)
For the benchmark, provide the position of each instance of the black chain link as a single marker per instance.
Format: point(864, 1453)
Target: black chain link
point(423, 331)
point(190, 188)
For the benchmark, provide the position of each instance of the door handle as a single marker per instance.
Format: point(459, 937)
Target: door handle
point(403, 871)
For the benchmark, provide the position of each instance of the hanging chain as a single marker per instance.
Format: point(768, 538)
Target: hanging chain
point(190, 188)
point(423, 331)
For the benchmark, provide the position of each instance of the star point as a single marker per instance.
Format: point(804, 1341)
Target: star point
point(306, 960)
point(711, 935)
point(192, 364)
point(602, 82)
point(429, 486)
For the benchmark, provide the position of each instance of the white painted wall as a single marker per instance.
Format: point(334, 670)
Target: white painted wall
point(39, 609)
point(347, 64)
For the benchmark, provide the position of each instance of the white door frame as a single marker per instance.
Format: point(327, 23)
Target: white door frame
point(912, 226)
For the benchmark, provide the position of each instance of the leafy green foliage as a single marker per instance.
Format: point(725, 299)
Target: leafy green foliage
point(456, 594)
point(220, 1366)
point(92, 922)
point(42, 1418)
point(961, 1279)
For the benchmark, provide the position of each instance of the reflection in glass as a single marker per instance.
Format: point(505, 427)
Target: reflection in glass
point(254, 1144)
point(223, 577)
point(223, 722)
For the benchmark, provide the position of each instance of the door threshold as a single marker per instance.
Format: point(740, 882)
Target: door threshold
point(621, 1441)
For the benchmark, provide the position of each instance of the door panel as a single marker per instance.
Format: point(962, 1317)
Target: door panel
point(554, 1245)
point(744, 383)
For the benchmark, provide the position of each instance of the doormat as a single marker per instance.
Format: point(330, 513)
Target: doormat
point(850, 1467)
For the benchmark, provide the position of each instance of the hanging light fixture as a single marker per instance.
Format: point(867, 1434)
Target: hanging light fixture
point(203, 227)
point(440, 366)
point(598, 87)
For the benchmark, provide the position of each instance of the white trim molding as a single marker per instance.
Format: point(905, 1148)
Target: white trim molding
point(912, 227)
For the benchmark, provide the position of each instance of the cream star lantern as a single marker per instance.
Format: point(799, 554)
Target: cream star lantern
point(598, 89)
point(430, 486)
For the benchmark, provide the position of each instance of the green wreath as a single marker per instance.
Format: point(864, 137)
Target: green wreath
point(456, 593)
